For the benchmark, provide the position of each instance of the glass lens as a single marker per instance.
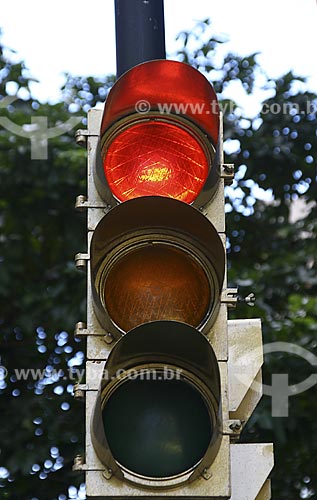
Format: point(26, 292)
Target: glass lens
point(156, 282)
point(155, 159)
point(157, 428)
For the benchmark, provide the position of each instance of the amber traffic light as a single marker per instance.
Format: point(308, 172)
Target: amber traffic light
point(156, 281)
point(154, 258)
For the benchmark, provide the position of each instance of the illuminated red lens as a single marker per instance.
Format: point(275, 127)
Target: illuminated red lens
point(157, 159)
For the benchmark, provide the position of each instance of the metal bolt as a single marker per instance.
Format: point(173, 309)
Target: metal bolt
point(249, 299)
point(235, 426)
point(107, 473)
point(206, 474)
point(108, 338)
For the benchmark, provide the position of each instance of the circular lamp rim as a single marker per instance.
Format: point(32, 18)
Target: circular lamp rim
point(113, 257)
point(208, 399)
point(185, 124)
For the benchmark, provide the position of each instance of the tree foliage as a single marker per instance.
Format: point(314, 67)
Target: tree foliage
point(43, 296)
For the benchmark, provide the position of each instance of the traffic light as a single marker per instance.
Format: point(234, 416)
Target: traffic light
point(168, 384)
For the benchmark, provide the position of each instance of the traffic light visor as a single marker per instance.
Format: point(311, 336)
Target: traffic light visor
point(159, 134)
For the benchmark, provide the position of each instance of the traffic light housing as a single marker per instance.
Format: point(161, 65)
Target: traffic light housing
point(165, 396)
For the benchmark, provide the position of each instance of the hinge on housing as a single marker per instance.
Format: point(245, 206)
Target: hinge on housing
point(229, 296)
point(79, 391)
point(82, 203)
point(79, 463)
point(81, 260)
point(81, 330)
point(232, 428)
point(227, 173)
point(81, 137)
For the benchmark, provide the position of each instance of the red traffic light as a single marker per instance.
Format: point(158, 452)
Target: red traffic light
point(156, 158)
point(155, 141)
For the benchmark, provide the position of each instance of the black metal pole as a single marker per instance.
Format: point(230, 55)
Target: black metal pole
point(140, 33)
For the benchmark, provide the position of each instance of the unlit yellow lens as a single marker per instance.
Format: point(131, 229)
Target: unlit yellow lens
point(156, 282)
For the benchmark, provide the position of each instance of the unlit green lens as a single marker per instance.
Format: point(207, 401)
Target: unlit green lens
point(157, 428)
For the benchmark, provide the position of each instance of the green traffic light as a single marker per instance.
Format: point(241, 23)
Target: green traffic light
point(157, 428)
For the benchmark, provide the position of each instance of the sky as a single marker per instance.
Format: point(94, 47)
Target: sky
point(77, 36)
